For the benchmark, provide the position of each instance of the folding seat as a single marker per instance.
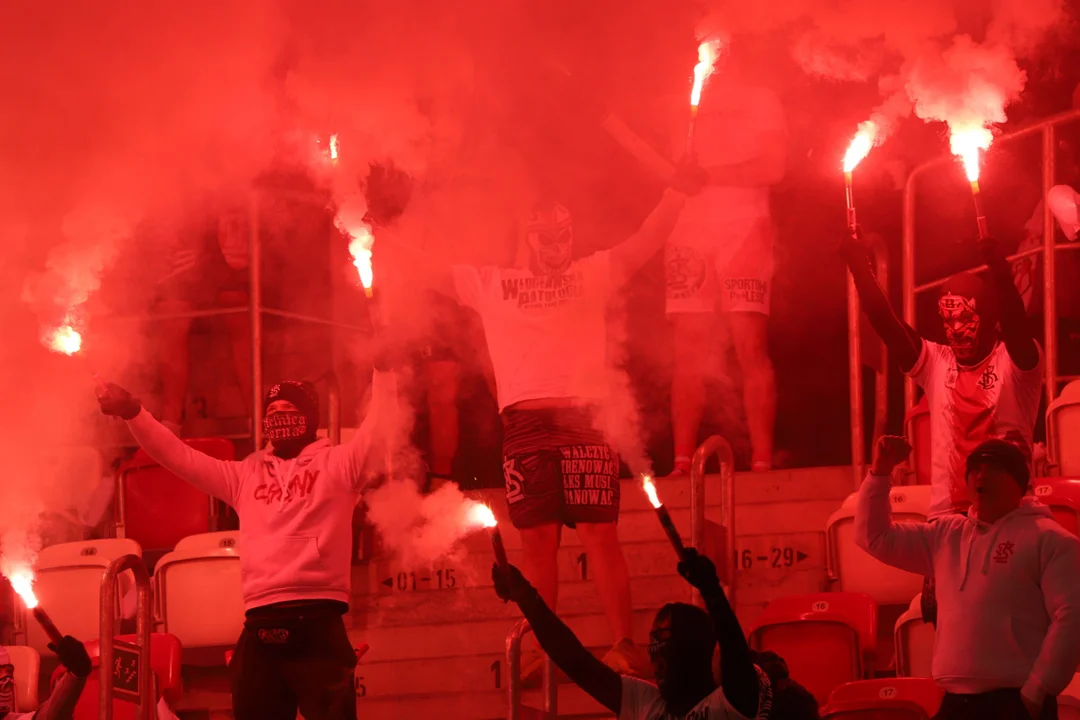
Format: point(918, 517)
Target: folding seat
point(917, 431)
point(924, 692)
point(165, 654)
point(914, 642)
point(156, 508)
point(874, 710)
point(67, 583)
point(1069, 700)
point(1063, 431)
point(1062, 495)
point(197, 592)
point(827, 639)
point(851, 569)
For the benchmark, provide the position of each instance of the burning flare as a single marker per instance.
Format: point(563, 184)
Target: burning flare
point(22, 581)
point(360, 249)
point(707, 53)
point(650, 490)
point(334, 147)
point(482, 516)
point(860, 145)
point(64, 339)
point(966, 143)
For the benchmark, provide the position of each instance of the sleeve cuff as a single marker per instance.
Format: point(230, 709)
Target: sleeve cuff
point(1034, 691)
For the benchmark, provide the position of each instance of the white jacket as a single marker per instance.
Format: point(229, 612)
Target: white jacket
point(1008, 593)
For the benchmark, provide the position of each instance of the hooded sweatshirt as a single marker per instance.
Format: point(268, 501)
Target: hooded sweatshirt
point(296, 514)
point(1008, 593)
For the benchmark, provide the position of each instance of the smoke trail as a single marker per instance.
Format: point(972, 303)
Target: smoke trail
point(420, 529)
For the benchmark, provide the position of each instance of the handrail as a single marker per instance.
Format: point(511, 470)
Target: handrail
point(715, 445)
point(146, 706)
point(1046, 128)
point(513, 665)
point(855, 365)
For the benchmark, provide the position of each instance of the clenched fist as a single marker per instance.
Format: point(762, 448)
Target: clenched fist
point(118, 402)
point(890, 451)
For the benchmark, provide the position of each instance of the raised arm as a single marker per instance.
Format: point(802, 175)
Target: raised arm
point(594, 677)
point(906, 546)
point(903, 342)
point(1015, 329)
point(219, 478)
point(740, 677)
point(60, 705)
point(379, 427)
point(1060, 652)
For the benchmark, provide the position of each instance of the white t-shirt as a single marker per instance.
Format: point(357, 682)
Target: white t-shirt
point(641, 701)
point(734, 122)
point(968, 405)
point(547, 333)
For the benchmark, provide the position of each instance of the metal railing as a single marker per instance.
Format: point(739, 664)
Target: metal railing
point(146, 708)
point(855, 364)
point(721, 448)
point(513, 664)
point(1046, 128)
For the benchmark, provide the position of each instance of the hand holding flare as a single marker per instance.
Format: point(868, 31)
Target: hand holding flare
point(664, 515)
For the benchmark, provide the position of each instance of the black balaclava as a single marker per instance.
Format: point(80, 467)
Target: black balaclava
point(292, 431)
point(1002, 454)
point(549, 234)
point(682, 654)
point(969, 312)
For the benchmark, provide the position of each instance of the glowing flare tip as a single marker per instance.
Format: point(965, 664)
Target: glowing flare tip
point(707, 51)
point(650, 490)
point(65, 339)
point(481, 515)
point(360, 249)
point(334, 147)
point(860, 146)
point(966, 143)
point(22, 583)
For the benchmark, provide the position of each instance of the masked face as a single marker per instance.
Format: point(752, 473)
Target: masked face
point(550, 236)
point(284, 423)
point(681, 657)
point(961, 324)
point(7, 690)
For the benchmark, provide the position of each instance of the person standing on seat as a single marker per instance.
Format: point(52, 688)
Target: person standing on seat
point(681, 646)
point(984, 383)
point(295, 502)
point(1008, 584)
point(65, 695)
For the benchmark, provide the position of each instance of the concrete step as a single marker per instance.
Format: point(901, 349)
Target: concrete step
point(489, 705)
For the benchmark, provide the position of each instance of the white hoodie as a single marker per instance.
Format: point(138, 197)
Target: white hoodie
point(1008, 593)
point(295, 515)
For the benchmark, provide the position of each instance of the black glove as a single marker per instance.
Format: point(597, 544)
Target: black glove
point(73, 656)
point(991, 251)
point(510, 584)
point(700, 572)
point(118, 402)
point(387, 191)
point(853, 247)
point(688, 179)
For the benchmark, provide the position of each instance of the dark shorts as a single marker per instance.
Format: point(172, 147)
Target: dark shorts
point(1003, 704)
point(558, 468)
point(294, 659)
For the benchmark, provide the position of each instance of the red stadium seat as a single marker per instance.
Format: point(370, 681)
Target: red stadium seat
point(1062, 495)
point(874, 710)
point(157, 508)
point(924, 692)
point(827, 639)
point(165, 653)
point(917, 430)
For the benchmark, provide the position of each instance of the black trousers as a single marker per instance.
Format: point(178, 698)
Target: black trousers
point(1004, 704)
point(296, 658)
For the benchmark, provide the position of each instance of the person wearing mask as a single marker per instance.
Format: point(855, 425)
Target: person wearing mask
point(790, 700)
point(61, 703)
point(295, 501)
point(682, 642)
point(1008, 584)
point(545, 326)
point(984, 383)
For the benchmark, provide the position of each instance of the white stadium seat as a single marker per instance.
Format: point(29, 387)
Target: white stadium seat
point(197, 591)
point(852, 570)
point(914, 642)
point(68, 586)
point(1063, 431)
